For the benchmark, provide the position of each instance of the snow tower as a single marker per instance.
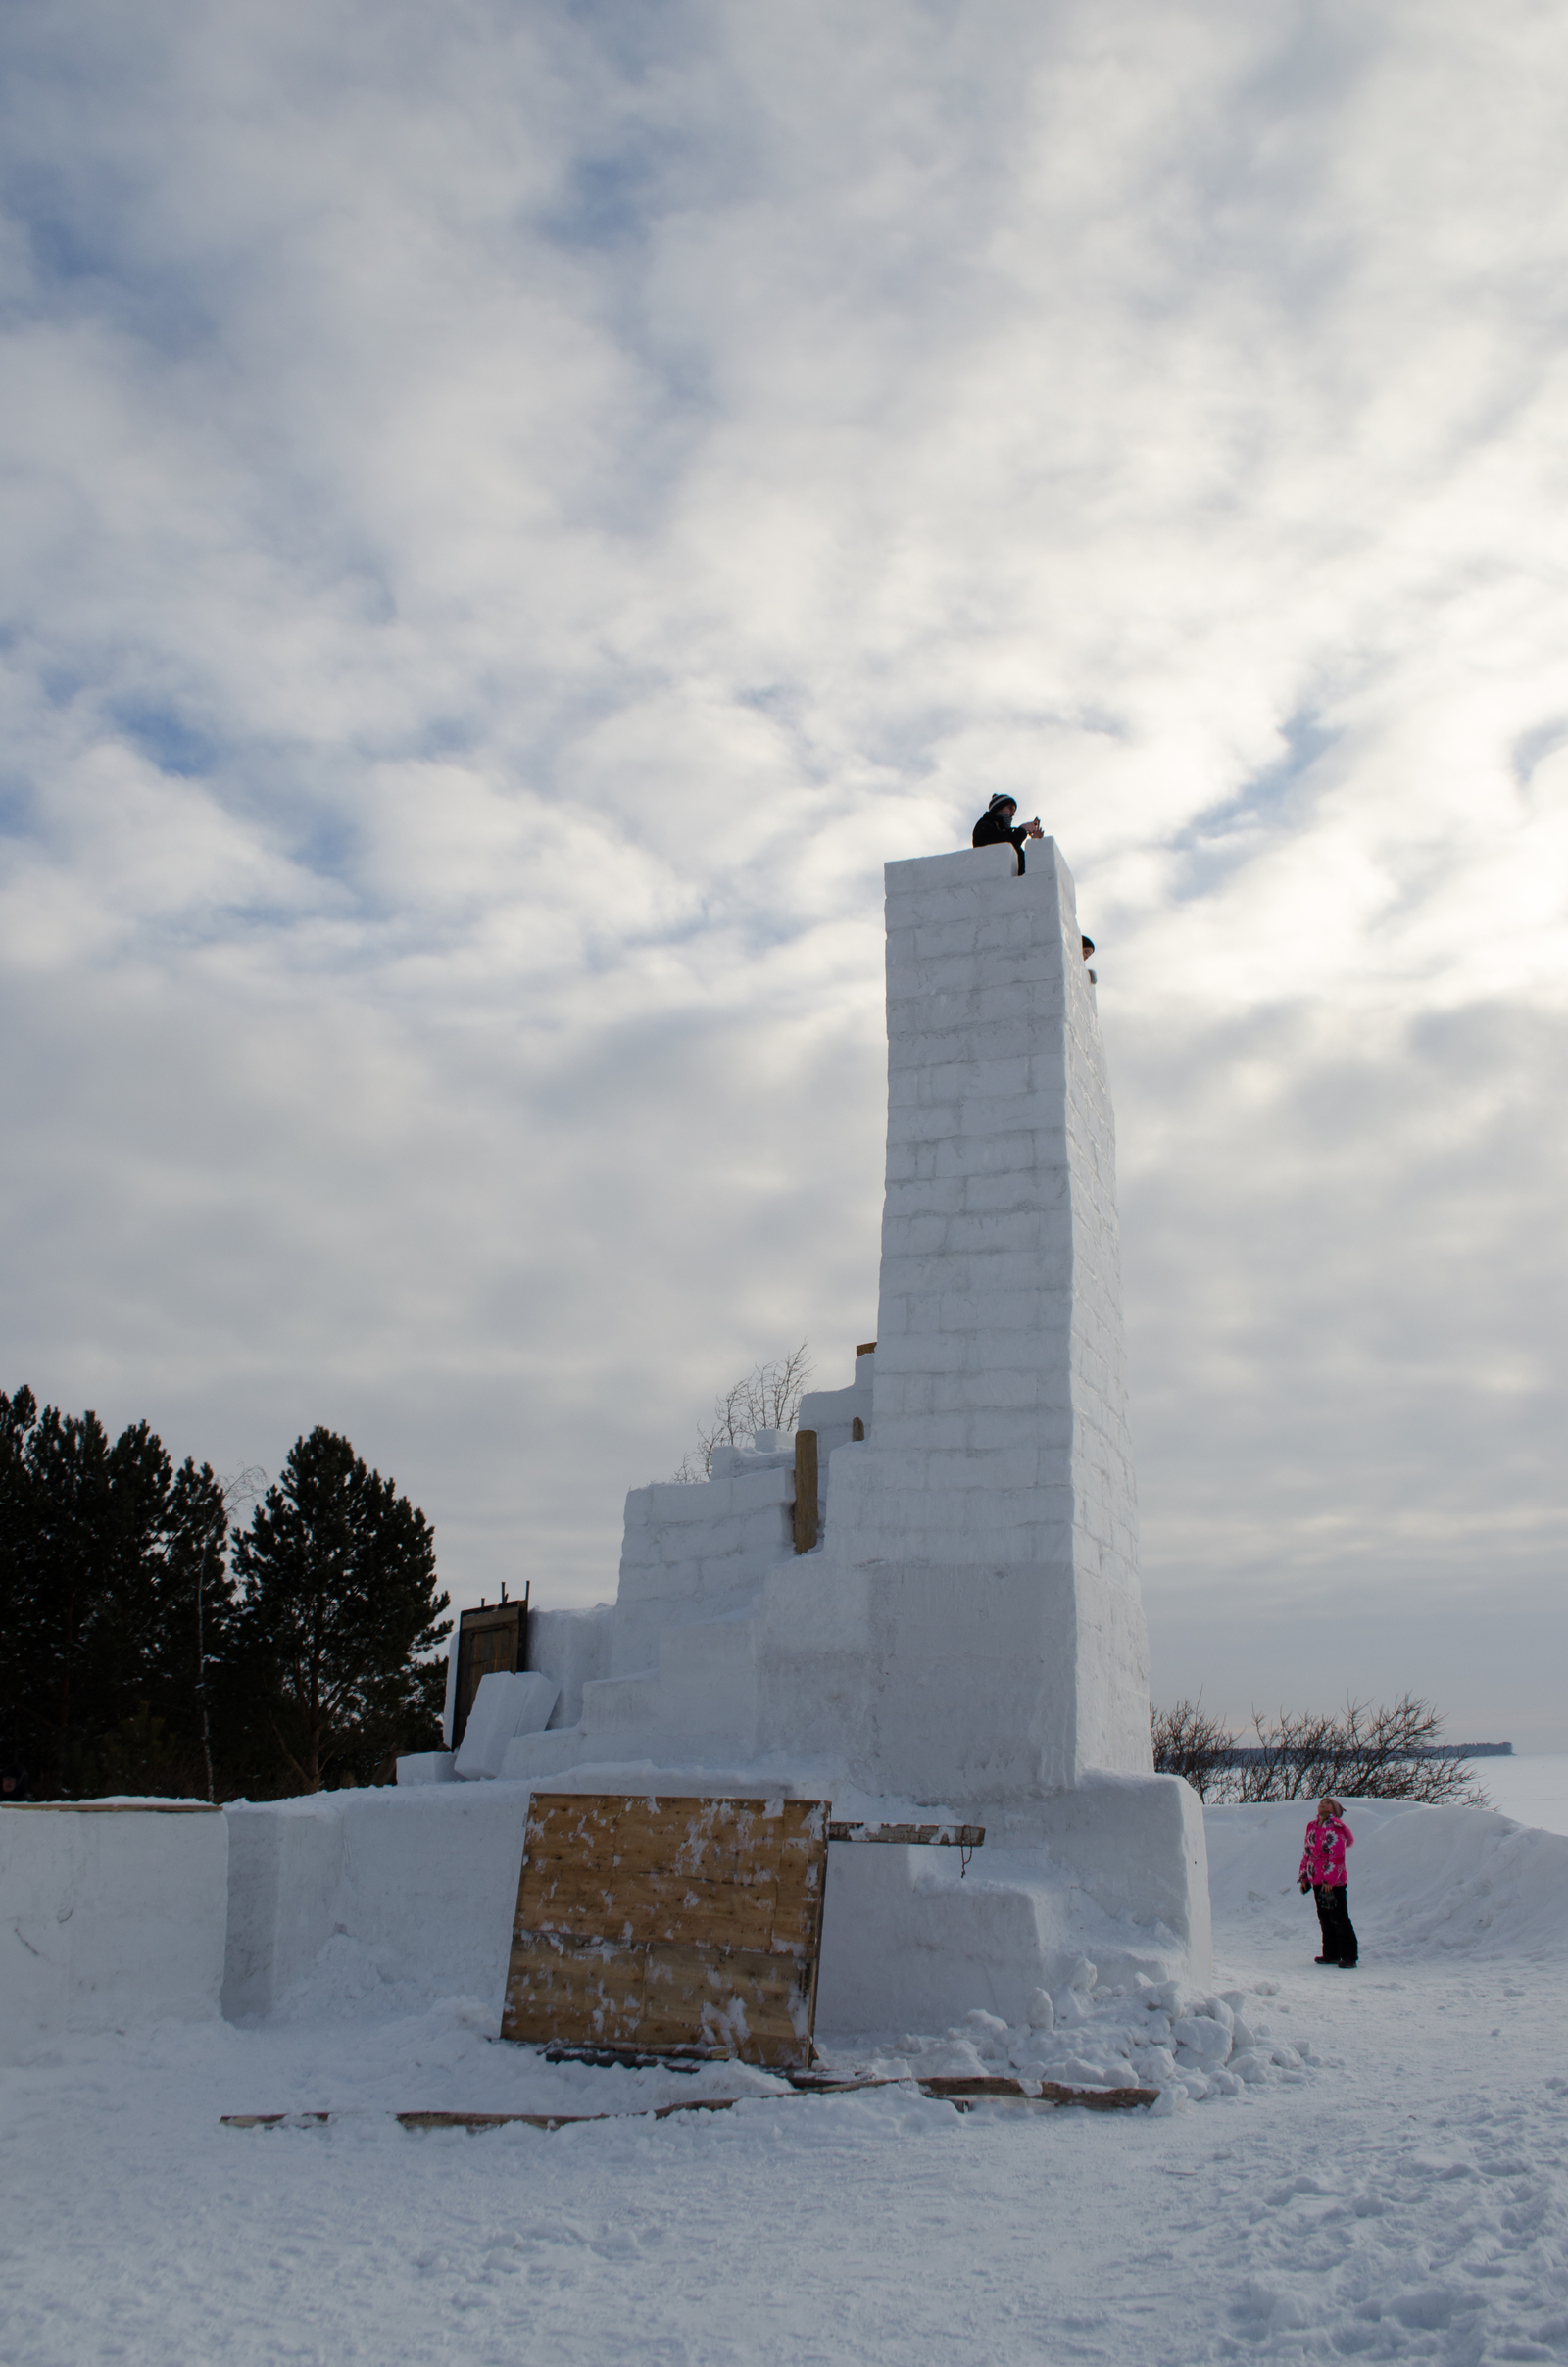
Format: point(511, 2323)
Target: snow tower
point(966, 1639)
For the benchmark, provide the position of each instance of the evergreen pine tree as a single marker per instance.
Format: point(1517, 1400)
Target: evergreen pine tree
point(338, 1600)
point(99, 1547)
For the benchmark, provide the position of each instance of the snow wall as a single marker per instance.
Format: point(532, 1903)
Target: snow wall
point(406, 1895)
point(115, 1916)
point(361, 1903)
point(390, 1899)
point(365, 1903)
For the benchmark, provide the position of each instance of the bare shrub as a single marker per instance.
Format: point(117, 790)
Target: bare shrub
point(769, 1397)
point(1190, 1744)
point(1392, 1753)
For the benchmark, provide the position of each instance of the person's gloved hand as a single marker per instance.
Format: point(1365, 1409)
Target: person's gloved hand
point(1304, 1886)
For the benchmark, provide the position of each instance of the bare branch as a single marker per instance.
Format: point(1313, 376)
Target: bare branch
point(1190, 1744)
point(1394, 1753)
point(769, 1397)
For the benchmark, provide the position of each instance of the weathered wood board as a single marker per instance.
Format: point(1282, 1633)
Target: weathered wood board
point(490, 1639)
point(958, 1837)
point(1036, 2096)
point(806, 1486)
point(666, 1924)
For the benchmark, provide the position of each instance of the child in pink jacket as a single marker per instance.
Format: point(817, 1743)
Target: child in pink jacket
point(1322, 1872)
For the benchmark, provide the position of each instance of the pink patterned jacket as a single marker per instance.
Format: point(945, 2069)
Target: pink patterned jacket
point(1323, 1858)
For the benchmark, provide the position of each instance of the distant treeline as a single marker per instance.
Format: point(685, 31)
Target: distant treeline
point(150, 1644)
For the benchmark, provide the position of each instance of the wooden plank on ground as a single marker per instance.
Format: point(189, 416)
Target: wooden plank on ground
point(670, 1923)
point(1039, 2095)
point(119, 1807)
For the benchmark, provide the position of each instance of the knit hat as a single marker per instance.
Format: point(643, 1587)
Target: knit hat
point(1003, 797)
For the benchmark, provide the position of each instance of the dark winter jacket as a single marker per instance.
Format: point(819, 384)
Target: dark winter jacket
point(991, 831)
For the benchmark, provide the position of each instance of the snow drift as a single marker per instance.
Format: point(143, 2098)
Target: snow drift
point(1462, 1881)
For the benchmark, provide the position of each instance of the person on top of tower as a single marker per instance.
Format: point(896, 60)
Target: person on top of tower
point(995, 828)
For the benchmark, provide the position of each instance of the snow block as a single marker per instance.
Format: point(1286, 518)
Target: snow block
point(1138, 1849)
point(504, 1705)
point(114, 1919)
point(573, 1647)
point(1115, 1870)
point(912, 1941)
point(381, 1899)
point(963, 1683)
point(428, 1767)
point(697, 1553)
point(448, 1713)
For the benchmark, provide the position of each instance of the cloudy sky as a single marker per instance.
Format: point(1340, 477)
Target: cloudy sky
point(513, 512)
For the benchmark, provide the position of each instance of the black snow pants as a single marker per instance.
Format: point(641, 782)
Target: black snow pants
point(1340, 1944)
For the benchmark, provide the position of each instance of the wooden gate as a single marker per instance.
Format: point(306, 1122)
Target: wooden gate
point(487, 1640)
point(671, 1925)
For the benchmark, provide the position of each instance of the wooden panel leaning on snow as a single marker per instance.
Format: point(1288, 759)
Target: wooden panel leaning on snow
point(669, 1925)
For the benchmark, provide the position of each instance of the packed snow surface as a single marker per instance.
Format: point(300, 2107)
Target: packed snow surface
point(1367, 2165)
point(1533, 1789)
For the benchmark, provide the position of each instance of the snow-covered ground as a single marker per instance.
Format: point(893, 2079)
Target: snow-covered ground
point(1534, 1790)
point(1388, 2179)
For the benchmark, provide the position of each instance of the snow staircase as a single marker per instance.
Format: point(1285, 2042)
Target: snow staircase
point(702, 1698)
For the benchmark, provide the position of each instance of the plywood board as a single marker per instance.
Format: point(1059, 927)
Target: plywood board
point(669, 1924)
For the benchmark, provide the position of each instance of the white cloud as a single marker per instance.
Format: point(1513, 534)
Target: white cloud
point(512, 516)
